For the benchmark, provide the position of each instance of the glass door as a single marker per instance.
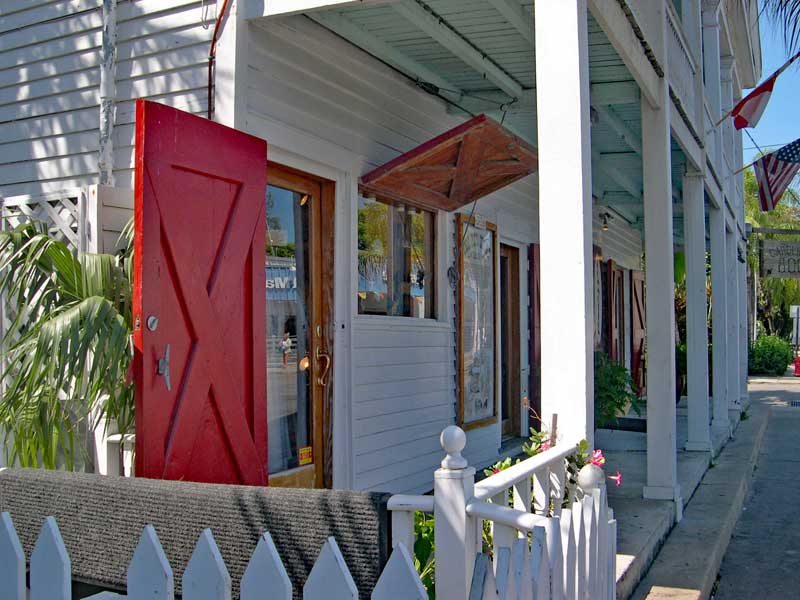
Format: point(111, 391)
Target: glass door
point(298, 356)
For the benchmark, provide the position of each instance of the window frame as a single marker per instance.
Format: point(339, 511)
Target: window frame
point(434, 261)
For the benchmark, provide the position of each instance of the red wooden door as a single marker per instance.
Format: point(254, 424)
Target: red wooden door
point(199, 299)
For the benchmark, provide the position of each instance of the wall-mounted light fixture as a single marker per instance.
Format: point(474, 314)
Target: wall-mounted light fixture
point(606, 217)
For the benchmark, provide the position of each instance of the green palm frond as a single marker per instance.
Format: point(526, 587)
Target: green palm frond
point(66, 348)
point(786, 15)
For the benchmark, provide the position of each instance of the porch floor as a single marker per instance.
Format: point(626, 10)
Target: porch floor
point(643, 525)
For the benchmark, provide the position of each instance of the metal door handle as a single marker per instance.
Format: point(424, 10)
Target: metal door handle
point(323, 377)
point(163, 368)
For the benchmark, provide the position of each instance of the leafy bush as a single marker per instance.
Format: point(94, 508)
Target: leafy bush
point(613, 391)
point(424, 558)
point(769, 355)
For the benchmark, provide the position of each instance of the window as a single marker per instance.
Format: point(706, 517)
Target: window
point(395, 259)
point(477, 252)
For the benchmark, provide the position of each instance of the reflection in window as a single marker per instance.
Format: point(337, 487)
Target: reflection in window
point(395, 259)
point(288, 298)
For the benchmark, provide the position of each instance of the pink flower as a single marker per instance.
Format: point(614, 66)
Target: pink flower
point(597, 458)
point(495, 471)
point(616, 477)
point(545, 446)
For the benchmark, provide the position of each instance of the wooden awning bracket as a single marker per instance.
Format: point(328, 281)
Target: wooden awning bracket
point(455, 168)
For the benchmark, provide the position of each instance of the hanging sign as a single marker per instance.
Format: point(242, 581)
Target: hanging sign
point(780, 259)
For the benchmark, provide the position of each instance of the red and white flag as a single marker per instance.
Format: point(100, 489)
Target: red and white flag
point(774, 173)
point(749, 109)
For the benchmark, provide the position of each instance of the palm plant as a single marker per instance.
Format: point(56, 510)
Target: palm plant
point(66, 348)
point(786, 15)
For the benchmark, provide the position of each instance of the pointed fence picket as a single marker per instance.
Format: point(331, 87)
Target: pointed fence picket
point(540, 551)
point(206, 577)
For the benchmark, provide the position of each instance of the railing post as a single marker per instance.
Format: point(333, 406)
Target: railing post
point(454, 533)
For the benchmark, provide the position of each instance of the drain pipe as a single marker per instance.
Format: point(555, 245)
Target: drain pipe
point(108, 92)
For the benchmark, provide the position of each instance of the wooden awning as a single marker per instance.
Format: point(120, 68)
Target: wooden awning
point(455, 168)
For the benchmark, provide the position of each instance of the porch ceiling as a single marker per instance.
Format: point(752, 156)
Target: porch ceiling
point(479, 55)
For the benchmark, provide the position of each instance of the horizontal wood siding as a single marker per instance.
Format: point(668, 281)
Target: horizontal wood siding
point(49, 78)
point(403, 370)
point(622, 243)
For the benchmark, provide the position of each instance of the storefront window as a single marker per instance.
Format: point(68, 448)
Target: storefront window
point(395, 259)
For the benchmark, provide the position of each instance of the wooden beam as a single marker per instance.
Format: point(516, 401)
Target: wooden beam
point(517, 16)
point(383, 51)
point(622, 92)
point(615, 24)
point(602, 94)
point(272, 8)
point(618, 198)
point(444, 35)
point(605, 165)
point(629, 136)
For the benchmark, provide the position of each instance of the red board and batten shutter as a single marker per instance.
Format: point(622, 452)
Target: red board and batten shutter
point(611, 312)
point(199, 303)
point(638, 331)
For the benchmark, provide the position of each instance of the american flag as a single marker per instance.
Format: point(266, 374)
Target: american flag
point(774, 173)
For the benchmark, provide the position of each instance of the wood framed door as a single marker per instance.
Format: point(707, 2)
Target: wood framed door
point(198, 301)
point(535, 341)
point(510, 339)
point(299, 291)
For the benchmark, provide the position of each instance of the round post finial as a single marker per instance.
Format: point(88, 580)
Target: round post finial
point(453, 440)
point(591, 477)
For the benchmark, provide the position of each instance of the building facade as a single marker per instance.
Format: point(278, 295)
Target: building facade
point(388, 317)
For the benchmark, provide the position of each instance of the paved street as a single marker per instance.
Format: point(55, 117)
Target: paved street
point(763, 559)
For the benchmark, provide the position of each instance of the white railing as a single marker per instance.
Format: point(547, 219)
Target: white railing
point(539, 549)
point(206, 577)
point(680, 65)
point(552, 538)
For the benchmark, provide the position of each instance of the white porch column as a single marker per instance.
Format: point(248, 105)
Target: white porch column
point(565, 227)
point(732, 305)
point(719, 319)
point(711, 68)
point(694, 222)
point(662, 476)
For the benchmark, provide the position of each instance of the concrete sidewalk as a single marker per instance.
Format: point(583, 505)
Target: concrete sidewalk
point(763, 559)
point(687, 565)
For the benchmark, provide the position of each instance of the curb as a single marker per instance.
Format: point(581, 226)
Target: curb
point(689, 561)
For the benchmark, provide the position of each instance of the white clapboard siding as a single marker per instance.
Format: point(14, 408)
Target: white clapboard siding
point(621, 243)
point(206, 577)
point(49, 77)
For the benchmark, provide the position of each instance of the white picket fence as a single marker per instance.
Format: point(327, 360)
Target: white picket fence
point(206, 577)
point(540, 551)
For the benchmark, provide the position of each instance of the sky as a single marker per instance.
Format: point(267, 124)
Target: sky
point(780, 123)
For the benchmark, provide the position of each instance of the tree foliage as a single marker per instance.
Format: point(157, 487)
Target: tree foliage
point(66, 348)
point(786, 15)
point(775, 295)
